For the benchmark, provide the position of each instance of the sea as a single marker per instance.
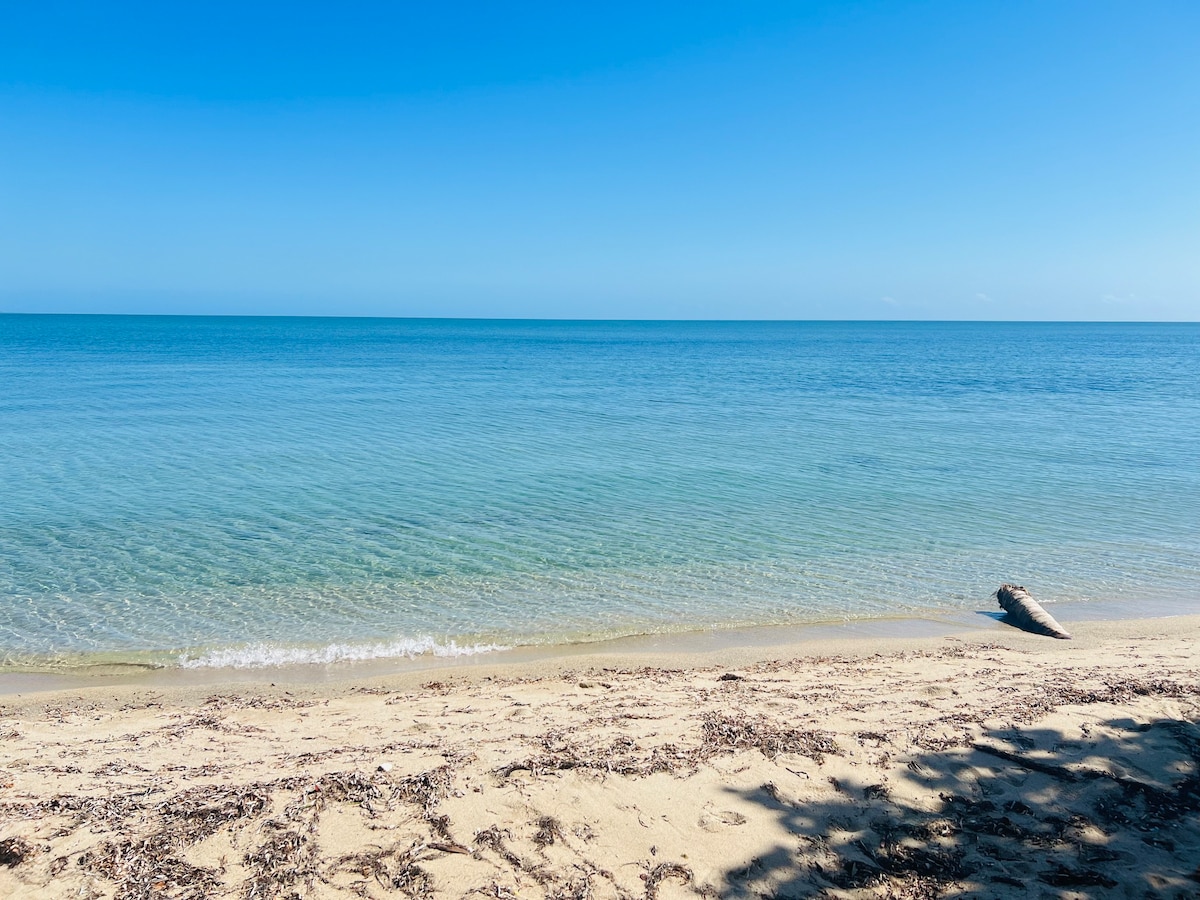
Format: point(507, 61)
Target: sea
point(215, 492)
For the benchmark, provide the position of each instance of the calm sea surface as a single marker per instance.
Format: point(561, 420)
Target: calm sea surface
point(244, 491)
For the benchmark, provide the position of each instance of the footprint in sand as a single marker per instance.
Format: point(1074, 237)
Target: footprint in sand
point(717, 820)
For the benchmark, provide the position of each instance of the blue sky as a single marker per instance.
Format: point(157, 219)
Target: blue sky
point(961, 160)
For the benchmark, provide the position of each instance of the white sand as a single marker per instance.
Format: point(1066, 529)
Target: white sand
point(1003, 765)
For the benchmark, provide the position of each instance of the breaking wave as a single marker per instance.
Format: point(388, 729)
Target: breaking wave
point(263, 655)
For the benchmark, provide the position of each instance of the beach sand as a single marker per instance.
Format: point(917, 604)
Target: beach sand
point(982, 764)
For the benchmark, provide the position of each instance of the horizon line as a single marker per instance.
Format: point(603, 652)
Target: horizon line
point(600, 320)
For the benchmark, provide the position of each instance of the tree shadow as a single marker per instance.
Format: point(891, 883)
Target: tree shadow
point(1113, 811)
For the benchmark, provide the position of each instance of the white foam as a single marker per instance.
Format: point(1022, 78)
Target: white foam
point(263, 655)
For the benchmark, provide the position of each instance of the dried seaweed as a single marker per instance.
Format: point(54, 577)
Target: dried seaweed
point(548, 831)
point(15, 850)
point(425, 789)
point(206, 809)
point(620, 757)
point(876, 792)
point(493, 839)
point(661, 872)
point(723, 733)
point(575, 888)
point(346, 787)
point(149, 868)
point(284, 858)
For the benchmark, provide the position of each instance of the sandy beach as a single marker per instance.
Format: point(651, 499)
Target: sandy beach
point(986, 764)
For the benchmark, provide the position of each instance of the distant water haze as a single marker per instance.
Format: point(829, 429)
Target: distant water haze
point(258, 491)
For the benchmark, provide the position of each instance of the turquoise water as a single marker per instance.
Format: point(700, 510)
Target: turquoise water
point(249, 491)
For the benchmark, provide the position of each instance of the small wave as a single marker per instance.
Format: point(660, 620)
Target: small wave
point(262, 655)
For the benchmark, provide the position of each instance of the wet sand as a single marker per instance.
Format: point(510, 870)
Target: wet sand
point(979, 762)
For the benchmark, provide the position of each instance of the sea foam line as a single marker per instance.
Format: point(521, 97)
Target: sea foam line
point(262, 655)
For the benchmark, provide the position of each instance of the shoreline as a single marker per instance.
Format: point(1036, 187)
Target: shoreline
point(698, 642)
point(921, 766)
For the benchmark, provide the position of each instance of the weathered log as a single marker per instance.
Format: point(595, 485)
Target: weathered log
point(1027, 613)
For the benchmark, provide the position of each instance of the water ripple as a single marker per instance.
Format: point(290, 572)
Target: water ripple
point(268, 487)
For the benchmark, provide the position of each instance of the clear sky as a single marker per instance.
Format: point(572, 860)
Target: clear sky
point(973, 160)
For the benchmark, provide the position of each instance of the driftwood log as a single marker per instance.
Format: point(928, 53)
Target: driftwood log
point(1027, 613)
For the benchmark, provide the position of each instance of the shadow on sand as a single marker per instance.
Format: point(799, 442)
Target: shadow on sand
point(1113, 813)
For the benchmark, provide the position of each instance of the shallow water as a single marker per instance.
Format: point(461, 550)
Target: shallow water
point(238, 491)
